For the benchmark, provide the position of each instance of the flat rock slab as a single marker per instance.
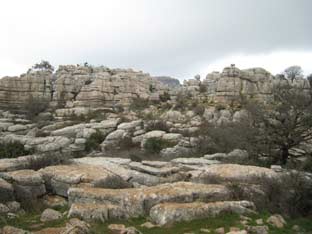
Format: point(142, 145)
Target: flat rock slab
point(157, 164)
point(194, 161)
point(232, 172)
point(121, 166)
point(168, 213)
point(152, 170)
point(138, 201)
point(59, 178)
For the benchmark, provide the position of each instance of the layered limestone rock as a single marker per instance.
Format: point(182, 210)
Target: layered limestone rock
point(232, 173)
point(16, 92)
point(60, 178)
point(101, 86)
point(135, 202)
point(79, 86)
point(232, 84)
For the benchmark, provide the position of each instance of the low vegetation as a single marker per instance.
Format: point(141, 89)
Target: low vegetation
point(94, 141)
point(155, 145)
point(12, 150)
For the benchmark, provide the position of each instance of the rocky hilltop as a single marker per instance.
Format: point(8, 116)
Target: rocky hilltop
point(86, 86)
point(79, 86)
point(115, 144)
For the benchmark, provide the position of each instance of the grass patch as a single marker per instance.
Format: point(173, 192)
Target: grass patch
point(226, 221)
point(31, 222)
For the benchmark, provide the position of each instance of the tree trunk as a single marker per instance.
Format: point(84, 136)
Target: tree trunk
point(284, 156)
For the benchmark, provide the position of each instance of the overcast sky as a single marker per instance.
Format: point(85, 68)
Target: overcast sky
point(180, 38)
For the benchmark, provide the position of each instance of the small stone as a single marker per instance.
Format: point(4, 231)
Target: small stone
point(77, 226)
point(13, 230)
point(4, 209)
point(237, 232)
point(234, 229)
point(276, 221)
point(258, 229)
point(148, 225)
point(296, 228)
point(244, 222)
point(50, 215)
point(220, 230)
point(13, 206)
point(53, 201)
point(117, 228)
point(204, 230)
point(131, 230)
point(259, 221)
point(242, 217)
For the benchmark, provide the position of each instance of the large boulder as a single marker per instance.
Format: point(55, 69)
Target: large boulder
point(6, 191)
point(59, 179)
point(28, 184)
point(168, 213)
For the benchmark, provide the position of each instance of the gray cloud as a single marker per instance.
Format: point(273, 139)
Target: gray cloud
point(172, 37)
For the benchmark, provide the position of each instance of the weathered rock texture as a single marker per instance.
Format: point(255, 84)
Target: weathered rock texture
point(81, 85)
point(15, 91)
point(94, 87)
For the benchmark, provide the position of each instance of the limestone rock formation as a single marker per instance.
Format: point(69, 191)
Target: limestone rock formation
point(167, 80)
point(15, 92)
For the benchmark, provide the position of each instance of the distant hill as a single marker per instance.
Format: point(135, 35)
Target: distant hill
point(171, 82)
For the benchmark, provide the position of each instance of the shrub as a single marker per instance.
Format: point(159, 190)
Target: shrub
point(12, 150)
point(182, 101)
point(155, 145)
point(127, 143)
point(139, 104)
point(35, 106)
point(291, 194)
point(157, 125)
point(202, 88)
point(164, 97)
point(94, 141)
point(199, 109)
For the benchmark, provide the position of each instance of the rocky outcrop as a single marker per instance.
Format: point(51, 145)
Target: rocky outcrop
point(101, 86)
point(16, 92)
point(28, 184)
point(167, 80)
point(81, 86)
point(135, 202)
point(232, 172)
point(59, 179)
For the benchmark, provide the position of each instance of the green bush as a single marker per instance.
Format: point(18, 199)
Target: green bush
point(199, 109)
point(34, 106)
point(139, 104)
point(94, 141)
point(164, 97)
point(203, 88)
point(12, 150)
point(157, 125)
point(155, 145)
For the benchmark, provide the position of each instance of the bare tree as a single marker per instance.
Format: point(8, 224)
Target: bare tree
point(271, 129)
point(292, 72)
